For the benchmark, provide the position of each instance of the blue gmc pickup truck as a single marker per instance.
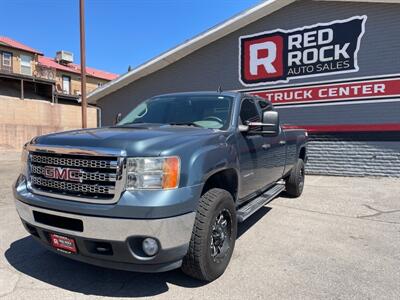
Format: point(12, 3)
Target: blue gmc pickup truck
point(163, 188)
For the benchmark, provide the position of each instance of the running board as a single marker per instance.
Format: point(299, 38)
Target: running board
point(250, 208)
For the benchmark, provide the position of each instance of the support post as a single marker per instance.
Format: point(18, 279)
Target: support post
point(22, 89)
point(52, 93)
point(83, 63)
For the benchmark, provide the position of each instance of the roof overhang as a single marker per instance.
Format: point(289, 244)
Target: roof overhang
point(239, 21)
point(33, 51)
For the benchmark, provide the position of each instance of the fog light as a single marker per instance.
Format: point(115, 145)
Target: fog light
point(150, 246)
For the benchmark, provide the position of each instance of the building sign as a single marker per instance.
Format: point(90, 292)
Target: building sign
point(355, 90)
point(316, 50)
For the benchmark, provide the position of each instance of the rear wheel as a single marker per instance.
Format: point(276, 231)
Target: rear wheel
point(295, 181)
point(213, 237)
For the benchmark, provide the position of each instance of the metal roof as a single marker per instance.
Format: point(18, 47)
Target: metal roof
point(75, 68)
point(8, 42)
point(239, 21)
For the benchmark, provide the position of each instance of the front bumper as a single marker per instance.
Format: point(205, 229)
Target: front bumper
point(122, 236)
point(146, 204)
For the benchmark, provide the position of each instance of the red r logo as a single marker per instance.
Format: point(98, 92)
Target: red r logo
point(262, 59)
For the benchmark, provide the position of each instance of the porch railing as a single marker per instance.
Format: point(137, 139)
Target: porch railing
point(44, 72)
point(6, 69)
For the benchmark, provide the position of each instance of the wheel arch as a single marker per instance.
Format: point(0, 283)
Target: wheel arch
point(227, 179)
point(303, 153)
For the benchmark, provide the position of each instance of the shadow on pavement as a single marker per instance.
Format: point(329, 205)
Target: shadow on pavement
point(253, 219)
point(28, 257)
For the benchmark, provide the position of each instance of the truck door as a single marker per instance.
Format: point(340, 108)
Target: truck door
point(274, 151)
point(250, 151)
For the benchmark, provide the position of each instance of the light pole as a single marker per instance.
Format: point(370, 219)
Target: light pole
point(83, 63)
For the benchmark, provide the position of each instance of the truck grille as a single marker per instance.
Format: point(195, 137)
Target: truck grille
point(77, 176)
point(71, 187)
point(73, 162)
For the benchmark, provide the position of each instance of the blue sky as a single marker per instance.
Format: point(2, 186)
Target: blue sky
point(119, 33)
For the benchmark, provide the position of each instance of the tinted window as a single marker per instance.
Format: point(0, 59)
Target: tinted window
point(264, 105)
point(249, 112)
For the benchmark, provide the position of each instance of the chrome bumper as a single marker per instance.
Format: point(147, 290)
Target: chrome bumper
point(171, 232)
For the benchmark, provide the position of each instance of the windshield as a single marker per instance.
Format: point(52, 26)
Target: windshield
point(207, 111)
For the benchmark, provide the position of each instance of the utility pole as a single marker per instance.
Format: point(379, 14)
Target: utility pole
point(83, 63)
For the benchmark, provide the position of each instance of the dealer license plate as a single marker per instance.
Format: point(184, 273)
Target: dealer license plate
point(63, 243)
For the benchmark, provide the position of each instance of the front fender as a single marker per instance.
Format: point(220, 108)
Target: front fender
point(209, 160)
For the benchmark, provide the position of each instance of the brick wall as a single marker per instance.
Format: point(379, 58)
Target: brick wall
point(355, 155)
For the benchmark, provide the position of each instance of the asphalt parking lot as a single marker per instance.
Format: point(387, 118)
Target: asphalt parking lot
point(341, 239)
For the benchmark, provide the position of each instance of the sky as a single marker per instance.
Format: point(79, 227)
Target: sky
point(119, 33)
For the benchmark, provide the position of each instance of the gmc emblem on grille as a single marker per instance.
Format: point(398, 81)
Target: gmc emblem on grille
point(62, 173)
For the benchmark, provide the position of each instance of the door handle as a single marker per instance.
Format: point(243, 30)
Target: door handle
point(282, 142)
point(266, 146)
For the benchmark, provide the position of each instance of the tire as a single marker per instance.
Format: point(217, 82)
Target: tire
point(201, 261)
point(295, 180)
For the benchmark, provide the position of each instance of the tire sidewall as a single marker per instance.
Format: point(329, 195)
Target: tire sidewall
point(295, 181)
point(212, 268)
point(300, 179)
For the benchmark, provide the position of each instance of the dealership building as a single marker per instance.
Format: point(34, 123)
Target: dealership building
point(331, 67)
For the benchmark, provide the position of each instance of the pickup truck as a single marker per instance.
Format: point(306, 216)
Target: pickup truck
point(163, 188)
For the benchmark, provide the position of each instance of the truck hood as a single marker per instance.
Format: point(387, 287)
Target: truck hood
point(135, 140)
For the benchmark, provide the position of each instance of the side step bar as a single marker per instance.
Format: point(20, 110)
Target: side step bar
point(250, 208)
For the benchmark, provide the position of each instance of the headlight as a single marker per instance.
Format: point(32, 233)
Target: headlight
point(24, 162)
point(152, 173)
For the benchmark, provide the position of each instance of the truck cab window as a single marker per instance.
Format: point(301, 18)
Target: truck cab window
point(264, 105)
point(249, 112)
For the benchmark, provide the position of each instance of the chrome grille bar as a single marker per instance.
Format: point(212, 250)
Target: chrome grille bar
point(74, 162)
point(74, 187)
point(71, 150)
point(83, 175)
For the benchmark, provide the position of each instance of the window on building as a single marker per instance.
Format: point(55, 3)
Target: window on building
point(26, 65)
point(66, 84)
point(6, 61)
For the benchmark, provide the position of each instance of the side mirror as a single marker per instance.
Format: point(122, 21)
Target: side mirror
point(268, 126)
point(118, 118)
point(270, 121)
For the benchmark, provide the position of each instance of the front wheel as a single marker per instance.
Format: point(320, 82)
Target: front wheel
point(295, 181)
point(213, 237)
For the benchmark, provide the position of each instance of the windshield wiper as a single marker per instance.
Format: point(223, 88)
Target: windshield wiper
point(185, 124)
